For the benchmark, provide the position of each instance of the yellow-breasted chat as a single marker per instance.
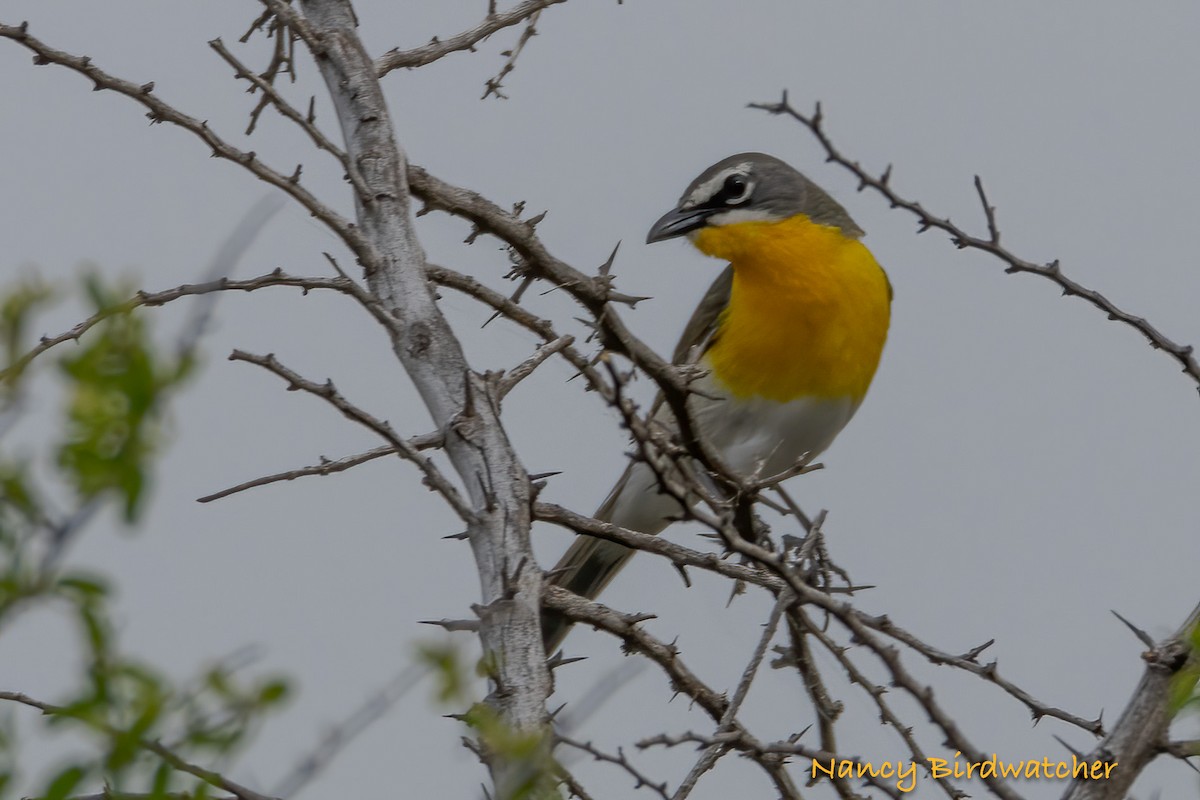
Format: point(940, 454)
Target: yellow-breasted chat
point(788, 338)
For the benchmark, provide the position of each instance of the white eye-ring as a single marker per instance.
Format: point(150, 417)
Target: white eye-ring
point(735, 190)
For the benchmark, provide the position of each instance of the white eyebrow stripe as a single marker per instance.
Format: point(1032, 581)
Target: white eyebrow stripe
point(710, 187)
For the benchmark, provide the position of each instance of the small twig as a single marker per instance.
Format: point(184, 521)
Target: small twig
point(708, 759)
point(161, 111)
point(494, 85)
point(886, 715)
point(167, 755)
point(155, 299)
point(304, 121)
point(1183, 354)
point(326, 467)
point(327, 392)
point(771, 750)
point(1184, 748)
point(639, 777)
point(438, 48)
point(683, 680)
point(523, 370)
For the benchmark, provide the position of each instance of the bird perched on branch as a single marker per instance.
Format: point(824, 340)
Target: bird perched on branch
point(789, 334)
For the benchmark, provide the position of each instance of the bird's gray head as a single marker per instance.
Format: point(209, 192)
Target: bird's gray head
point(750, 187)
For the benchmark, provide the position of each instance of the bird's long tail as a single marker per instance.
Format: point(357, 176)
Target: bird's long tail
point(590, 564)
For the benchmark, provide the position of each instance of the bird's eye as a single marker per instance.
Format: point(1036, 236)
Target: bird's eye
point(736, 189)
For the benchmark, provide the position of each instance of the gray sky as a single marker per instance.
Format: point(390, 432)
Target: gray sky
point(1020, 467)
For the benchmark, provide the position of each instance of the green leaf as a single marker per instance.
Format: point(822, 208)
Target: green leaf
point(118, 384)
point(16, 308)
point(64, 783)
point(87, 586)
point(273, 692)
point(160, 789)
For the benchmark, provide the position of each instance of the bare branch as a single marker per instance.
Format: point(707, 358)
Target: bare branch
point(303, 121)
point(759, 750)
point(494, 85)
point(161, 111)
point(437, 48)
point(679, 554)
point(153, 299)
point(1141, 732)
point(326, 467)
point(461, 402)
point(169, 756)
point(509, 381)
point(886, 715)
point(682, 679)
point(1183, 354)
point(708, 759)
point(329, 393)
point(640, 779)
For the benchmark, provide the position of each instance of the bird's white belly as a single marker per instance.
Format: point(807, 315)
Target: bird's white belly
point(759, 438)
point(755, 437)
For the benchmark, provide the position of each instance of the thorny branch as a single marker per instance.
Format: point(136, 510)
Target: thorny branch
point(494, 85)
point(153, 299)
point(1183, 354)
point(683, 680)
point(1138, 736)
point(403, 447)
point(157, 748)
point(640, 778)
point(161, 111)
point(325, 467)
point(438, 48)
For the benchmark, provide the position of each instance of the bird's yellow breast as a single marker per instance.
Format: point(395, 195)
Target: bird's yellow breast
point(808, 313)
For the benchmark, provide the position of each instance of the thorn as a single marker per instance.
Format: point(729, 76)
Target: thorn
point(1070, 749)
point(559, 660)
point(607, 265)
point(974, 652)
point(1138, 632)
point(471, 625)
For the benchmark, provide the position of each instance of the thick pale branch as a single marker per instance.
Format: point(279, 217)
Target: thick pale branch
point(461, 402)
point(1141, 732)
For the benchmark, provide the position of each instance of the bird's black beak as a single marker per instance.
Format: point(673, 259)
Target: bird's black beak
point(677, 222)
